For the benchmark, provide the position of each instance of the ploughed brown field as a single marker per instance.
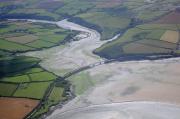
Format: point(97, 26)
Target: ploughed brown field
point(16, 108)
point(171, 18)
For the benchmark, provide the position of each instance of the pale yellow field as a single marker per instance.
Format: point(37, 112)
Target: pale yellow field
point(170, 36)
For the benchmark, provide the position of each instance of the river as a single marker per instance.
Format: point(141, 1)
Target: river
point(73, 55)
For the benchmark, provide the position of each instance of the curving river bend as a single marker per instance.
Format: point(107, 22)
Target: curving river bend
point(74, 54)
point(131, 81)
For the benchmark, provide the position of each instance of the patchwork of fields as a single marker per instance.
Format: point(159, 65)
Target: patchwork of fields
point(146, 39)
point(24, 36)
point(29, 84)
point(107, 16)
point(22, 80)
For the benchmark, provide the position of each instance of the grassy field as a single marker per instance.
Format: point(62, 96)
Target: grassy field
point(18, 79)
point(42, 76)
point(32, 90)
point(149, 15)
point(11, 46)
point(28, 77)
point(7, 89)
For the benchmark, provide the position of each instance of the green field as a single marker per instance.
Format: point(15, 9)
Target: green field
point(7, 89)
point(42, 76)
point(52, 38)
point(28, 77)
point(33, 70)
point(32, 90)
point(18, 79)
point(11, 46)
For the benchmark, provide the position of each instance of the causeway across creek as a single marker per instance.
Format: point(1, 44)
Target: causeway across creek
point(78, 54)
